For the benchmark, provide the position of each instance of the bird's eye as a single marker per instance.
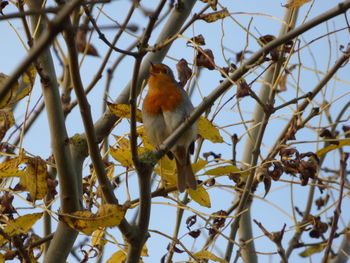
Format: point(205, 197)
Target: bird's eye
point(165, 71)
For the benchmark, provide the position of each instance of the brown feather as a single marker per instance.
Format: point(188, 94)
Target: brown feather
point(185, 175)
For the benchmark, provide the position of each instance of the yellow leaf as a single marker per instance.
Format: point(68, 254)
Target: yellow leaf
point(27, 83)
point(166, 163)
point(212, 17)
point(2, 258)
point(9, 168)
point(312, 250)
point(6, 121)
point(204, 254)
point(29, 76)
point(166, 170)
point(142, 134)
point(333, 147)
point(213, 3)
point(33, 258)
point(123, 155)
point(296, 3)
point(108, 215)
point(118, 257)
point(20, 225)
point(223, 170)
point(199, 165)
point(110, 172)
point(123, 142)
point(10, 95)
point(123, 111)
point(98, 240)
point(144, 251)
point(208, 131)
point(35, 180)
point(200, 196)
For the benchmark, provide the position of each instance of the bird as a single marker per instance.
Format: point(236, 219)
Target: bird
point(164, 108)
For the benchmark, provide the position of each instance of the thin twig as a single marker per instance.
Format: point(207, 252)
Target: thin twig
point(102, 36)
point(295, 100)
point(338, 64)
point(98, 74)
point(337, 211)
point(225, 85)
point(275, 237)
point(168, 41)
point(55, 27)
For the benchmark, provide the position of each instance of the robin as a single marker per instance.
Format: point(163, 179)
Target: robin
point(165, 107)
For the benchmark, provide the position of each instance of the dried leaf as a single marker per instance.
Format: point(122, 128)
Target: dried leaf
point(35, 180)
point(212, 17)
point(266, 39)
point(213, 3)
point(190, 221)
point(228, 70)
point(27, 83)
point(98, 240)
point(6, 206)
point(206, 255)
point(197, 40)
point(267, 185)
point(200, 196)
point(20, 225)
point(123, 111)
point(9, 168)
point(108, 215)
point(195, 233)
point(240, 55)
point(83, 46)
point(206, 155)
point(243, 89)
point(293, 128)
point(296, 3)
point(205, 58)
point(183, 71)
point(3, 4)
point(208, 131)
point(10, 95)
point(7, 120)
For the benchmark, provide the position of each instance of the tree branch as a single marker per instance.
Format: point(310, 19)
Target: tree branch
point(337, 211)
point(56, 26)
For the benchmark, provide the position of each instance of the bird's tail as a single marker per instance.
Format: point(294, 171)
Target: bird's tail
point(185, 175)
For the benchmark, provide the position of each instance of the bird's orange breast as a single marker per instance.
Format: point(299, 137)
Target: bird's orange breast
point(158, 101)
point(163, 95)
